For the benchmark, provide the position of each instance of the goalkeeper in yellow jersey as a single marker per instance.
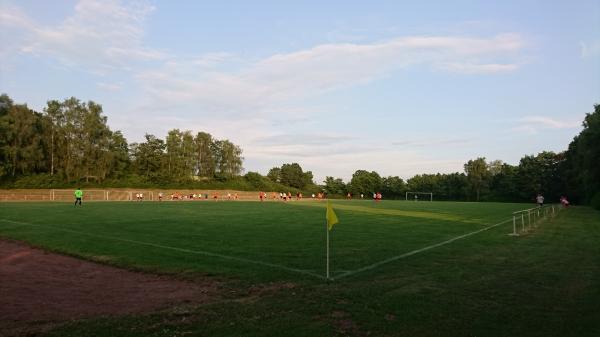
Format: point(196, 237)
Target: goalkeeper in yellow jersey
point(78, 196)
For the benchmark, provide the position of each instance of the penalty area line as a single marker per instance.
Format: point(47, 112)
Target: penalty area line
point(184, 250)
point(417, 251)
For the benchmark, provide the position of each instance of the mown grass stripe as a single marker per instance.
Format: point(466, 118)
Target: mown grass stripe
point(155, 245)
point(417, 251)
point(393, 212)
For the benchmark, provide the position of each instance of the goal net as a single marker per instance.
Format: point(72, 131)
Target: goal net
point(67, 195)
point(102, 195)
point(418, 196)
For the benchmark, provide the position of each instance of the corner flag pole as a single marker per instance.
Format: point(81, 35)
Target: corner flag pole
point(330, 220)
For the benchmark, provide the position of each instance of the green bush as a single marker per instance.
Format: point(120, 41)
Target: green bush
point(39, 181)
point(252, 181)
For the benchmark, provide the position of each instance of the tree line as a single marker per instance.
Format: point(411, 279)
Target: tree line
point(574, 173)
point(481, 181)
point(71, 143)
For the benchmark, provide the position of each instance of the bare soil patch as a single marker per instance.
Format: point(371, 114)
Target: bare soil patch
point(38, 286)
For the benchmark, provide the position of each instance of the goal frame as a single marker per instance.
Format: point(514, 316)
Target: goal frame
point(418, 193)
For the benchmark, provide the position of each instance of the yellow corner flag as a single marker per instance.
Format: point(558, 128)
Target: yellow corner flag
point(330, 216)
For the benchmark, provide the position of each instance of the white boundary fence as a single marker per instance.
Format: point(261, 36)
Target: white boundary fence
point(525, 220)
point(127, 194)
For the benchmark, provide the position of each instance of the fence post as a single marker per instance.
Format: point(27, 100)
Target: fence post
point(514, 233)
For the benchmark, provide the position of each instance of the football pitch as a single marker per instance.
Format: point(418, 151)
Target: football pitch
point(398, 267)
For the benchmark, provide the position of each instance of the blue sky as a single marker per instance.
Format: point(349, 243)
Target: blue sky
point(397, 87)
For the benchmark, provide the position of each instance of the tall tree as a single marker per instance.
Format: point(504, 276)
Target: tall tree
point(365, 182)
point(189, 154)
point(205, 161)
point(230, 158)
point(97, 159)
point(22, 139)
point(56, 117)
point(149, 157)
point(504, 184)
point(119, 155)
point(292, 175)
point(477, 174)
point(274, 174)
point(393, 187)
point(540, 174)
point(583, 157)
point(175, 160)
point(5, 106)
point(335, 186)
point(424, 183)
point(454, 186)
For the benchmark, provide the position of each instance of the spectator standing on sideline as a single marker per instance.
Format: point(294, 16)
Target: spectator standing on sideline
point(78, 196)
point(540, 200)
point(564, 202)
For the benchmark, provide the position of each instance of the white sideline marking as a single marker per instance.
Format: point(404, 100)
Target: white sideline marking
point(391, 259)
point(199, 252)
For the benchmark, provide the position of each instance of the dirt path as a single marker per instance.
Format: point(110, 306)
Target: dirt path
point(37, 286)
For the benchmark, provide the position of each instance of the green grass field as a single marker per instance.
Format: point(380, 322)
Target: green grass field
point(545, 283)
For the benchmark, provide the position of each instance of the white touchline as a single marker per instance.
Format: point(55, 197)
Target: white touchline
point(199, 252)
point(299, 271)
point(391, 259)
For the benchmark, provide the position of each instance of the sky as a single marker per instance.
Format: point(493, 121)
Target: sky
point(396, 87)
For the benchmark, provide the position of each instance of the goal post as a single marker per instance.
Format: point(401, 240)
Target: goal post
point(88, 195)
point(419, 196)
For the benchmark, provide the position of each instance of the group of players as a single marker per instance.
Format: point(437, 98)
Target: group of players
point(281, 196)
point(139, 197)
point(197, 196)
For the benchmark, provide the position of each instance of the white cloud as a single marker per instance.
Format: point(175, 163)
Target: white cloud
point(549, 123)
point(468, 68)
point(305, 139)
point(253, 102)
point(212, 59)
point(589, 49)
point(532, 125)
point(109, 86)
point(105, 35)
point(99, 36)
point(11, 16)
point(244, 99)
point(254, 87)
point(384, 161)
point(433, 142)
point(524, 129)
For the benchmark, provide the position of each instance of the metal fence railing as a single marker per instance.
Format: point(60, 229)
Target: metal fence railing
point(529, 218)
